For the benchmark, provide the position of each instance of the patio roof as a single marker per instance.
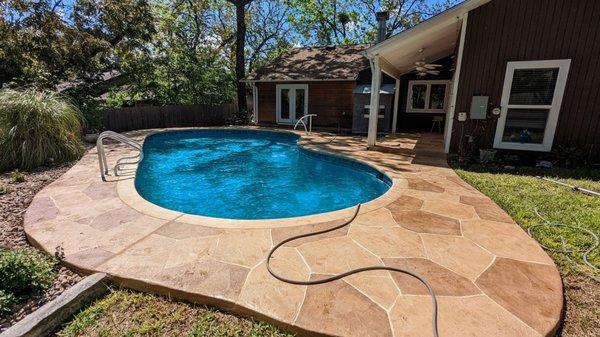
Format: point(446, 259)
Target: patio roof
point(428, 41)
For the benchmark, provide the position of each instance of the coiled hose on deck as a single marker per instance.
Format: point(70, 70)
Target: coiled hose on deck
point(353, 271)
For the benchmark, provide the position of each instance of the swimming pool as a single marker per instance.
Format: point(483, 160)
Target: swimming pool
point(249, 174)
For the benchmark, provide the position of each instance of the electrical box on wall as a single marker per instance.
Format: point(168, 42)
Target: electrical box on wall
point(462, 116)
point(479, 106)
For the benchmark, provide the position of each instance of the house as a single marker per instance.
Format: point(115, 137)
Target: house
point(504, 74)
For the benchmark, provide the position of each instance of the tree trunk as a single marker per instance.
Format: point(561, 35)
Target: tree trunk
point(240, 68)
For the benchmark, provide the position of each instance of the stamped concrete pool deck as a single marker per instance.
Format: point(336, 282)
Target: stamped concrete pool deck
point(491, 279)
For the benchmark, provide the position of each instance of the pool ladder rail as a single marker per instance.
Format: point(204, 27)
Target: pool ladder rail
point(130, 160)
point(301, 120)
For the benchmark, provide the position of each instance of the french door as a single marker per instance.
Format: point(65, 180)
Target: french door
point(292, 102)
point(531, 101)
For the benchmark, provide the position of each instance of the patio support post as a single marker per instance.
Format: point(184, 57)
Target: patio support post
point(255, 103)
point(374, 105)
point(396, 107)
point(455, 79)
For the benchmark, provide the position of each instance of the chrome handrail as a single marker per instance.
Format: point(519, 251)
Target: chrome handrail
point(130, 160)
point(301, 120)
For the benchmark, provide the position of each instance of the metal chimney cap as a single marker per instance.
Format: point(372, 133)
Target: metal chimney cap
point(384, 15)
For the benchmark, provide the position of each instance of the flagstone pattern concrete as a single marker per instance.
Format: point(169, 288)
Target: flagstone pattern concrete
point(490, 277)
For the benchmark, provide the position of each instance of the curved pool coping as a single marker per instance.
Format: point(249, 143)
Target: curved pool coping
point(130, 195)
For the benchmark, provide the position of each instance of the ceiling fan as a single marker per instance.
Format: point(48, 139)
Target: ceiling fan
point(423, 68)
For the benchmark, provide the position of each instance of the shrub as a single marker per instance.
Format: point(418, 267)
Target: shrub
point(4, 189)
point(37, 128)
point(7, 302)
point(17, 177)
point(25, 271)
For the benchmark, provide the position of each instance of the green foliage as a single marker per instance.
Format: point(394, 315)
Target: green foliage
point(92, 110)
point(17, 177)
point(37, 128)
point(26, 271)
point(4, 189)
point(41, 47)
point(184, 67)
point(7, 302)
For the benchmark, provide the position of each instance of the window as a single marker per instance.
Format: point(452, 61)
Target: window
point(427, 96)
point(367, 111)
point(531, 100)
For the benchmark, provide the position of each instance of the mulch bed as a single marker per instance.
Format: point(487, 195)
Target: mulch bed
point(12, 208)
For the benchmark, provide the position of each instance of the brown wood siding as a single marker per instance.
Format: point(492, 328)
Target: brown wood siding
point(526, 30)
point(332, 101)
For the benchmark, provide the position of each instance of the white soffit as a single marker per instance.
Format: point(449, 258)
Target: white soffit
point(430, 40)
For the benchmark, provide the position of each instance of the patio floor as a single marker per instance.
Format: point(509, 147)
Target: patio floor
point(490, 278)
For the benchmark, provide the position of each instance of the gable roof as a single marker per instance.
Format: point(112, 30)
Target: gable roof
point(428, 41)
point(314, 63)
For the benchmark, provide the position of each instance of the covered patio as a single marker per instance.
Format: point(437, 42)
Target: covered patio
point(439, 37)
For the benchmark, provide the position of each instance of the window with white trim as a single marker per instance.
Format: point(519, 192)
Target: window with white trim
point(427, 96)
point(531, 101)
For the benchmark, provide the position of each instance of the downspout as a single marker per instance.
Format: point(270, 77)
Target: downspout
point(455, 82)
point(255, 102)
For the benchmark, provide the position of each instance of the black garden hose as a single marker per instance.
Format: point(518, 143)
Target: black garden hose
point(353, 271)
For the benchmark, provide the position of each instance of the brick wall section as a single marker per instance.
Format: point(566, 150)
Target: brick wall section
point(332, 101)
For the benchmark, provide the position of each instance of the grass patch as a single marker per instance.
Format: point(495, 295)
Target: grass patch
point(127, 313)
point(519, 193)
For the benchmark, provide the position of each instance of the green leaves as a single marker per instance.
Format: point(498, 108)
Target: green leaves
point(25, 271)
point(46, 42)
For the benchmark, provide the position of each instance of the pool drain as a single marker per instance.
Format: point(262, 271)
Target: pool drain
point(353, 271)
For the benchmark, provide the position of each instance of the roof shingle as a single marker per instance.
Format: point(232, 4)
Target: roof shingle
point(315, 63)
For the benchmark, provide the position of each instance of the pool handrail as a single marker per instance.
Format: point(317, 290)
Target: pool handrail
point(301, 120)
point(129, 160)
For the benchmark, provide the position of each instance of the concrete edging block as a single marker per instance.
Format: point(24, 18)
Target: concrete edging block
point(51, 315)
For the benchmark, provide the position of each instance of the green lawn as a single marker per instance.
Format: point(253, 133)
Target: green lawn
point(519, 193)
point(128, 313)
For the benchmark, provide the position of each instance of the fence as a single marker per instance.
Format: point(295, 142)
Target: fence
point(149, 117)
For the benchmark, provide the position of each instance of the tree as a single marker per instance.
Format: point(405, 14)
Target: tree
point(240, 44)
point(185, 63)
point(404, 14)
point(326, 22)
point(47, 41)
point(269, 33)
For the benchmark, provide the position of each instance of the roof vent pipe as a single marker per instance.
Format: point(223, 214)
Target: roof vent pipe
point(382, 18)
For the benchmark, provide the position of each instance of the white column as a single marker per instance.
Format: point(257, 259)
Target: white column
point(396, 106)
point(255, 102)
point(454, 94)
point(374, 105)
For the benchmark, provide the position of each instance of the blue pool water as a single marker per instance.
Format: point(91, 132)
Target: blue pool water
point(246, 174)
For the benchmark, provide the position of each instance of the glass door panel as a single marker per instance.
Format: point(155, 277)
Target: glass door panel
point(300, 103)
point(284, 105)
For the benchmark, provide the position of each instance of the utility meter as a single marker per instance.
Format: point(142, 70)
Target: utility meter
point(462, 116)
point(479, 105)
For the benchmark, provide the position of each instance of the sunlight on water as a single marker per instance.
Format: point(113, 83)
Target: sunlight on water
point(244, 174)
